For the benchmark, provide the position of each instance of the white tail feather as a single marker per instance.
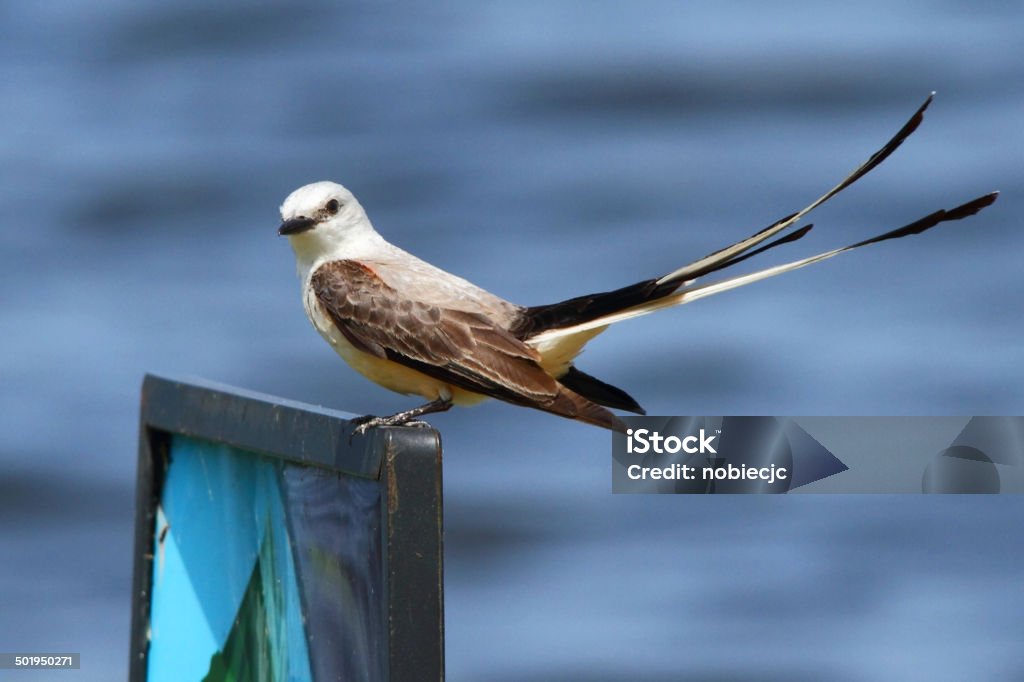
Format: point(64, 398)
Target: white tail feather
point(684, 296)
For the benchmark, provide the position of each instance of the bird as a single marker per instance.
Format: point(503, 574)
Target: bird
point(416, 329)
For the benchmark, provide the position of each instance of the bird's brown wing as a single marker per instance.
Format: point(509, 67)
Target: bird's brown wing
point(460, 348)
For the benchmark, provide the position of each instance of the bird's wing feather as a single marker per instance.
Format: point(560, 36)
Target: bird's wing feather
point(460, 348)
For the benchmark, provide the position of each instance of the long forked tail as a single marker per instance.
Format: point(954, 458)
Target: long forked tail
point(690, 294)
point(578, 316)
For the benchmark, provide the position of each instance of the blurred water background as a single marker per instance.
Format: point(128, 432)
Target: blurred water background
point(542, 149)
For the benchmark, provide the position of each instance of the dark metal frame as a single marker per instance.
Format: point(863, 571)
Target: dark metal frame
point(406, 461)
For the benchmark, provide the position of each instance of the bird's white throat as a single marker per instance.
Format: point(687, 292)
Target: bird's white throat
point(330, 241)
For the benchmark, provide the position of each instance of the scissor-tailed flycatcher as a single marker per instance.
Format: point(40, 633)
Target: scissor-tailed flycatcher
point(416, 329)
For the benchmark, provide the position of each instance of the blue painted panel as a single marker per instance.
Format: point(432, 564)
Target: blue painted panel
point(224, 514)
point(182, 641)
point(215, 517)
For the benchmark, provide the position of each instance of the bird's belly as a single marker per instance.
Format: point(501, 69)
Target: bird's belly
point(387, 373)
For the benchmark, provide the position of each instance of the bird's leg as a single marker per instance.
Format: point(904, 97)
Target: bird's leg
point(406, 418)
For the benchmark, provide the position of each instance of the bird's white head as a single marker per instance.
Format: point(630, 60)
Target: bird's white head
point(324, 220)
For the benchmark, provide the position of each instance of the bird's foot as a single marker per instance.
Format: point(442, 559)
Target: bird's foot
point(367, 422)
point(407, 418)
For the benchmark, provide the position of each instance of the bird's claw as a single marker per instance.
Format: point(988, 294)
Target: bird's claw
point(364, 424)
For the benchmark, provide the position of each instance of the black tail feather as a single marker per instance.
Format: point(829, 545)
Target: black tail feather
point(719, 258)
point(599, 392)
point(929, 221)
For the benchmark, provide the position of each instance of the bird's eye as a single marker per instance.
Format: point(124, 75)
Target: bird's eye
point(332, 206)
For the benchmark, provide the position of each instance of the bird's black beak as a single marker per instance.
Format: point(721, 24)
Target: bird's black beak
point(296, 225)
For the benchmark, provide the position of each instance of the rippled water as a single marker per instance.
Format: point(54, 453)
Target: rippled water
point(541, 149)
